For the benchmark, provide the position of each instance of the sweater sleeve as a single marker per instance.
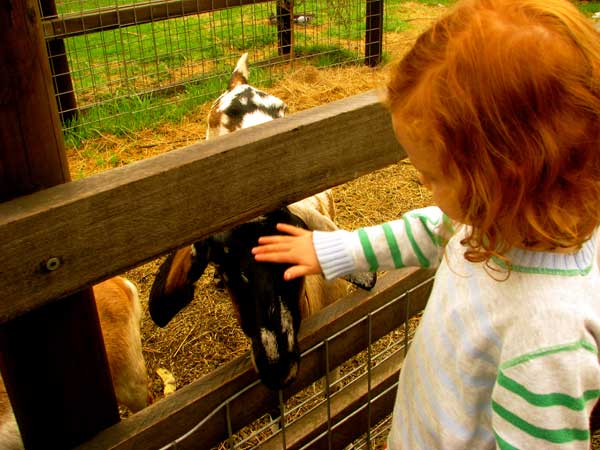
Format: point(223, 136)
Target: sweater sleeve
point(544, 398)
point(417, 239)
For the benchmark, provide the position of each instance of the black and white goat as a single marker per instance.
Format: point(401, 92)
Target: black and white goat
point(269, 309)
point(119, 313)
point(242, 105)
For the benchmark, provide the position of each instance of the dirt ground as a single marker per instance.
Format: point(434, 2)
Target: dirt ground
point(205, 335)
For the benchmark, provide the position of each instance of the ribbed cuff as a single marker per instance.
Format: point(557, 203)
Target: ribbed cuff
point(333, 253)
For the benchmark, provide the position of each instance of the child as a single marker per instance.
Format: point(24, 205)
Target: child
point(498, 108)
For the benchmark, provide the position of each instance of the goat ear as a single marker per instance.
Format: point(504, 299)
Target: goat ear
point(201, 256)
point(173, 286)
point(240, 73)
point(313, 219)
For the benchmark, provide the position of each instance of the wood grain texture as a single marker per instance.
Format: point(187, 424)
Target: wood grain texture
point(168, 419)
point(107, 223)
point(32, 152)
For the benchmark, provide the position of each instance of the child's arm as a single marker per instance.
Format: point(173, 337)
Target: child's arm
point(417, 239)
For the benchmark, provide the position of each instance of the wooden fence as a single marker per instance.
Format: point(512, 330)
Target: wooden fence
point(231, 397)
point(58, 237)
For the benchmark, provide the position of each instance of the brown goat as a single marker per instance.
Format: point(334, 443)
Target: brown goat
point(119, 312)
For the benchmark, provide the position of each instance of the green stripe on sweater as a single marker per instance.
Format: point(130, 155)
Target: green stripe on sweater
point(427, 222)
point(368, 250)
point(423, 261)
point(448, 224)
point(543, 270)
point(502, 444)
point(559, 436)
point(546, 400)
point(393, 245)
point(584, 345)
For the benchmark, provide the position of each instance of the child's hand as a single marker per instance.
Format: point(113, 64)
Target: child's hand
point(295, 248)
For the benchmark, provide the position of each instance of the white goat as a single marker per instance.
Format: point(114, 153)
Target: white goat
point(119, 312)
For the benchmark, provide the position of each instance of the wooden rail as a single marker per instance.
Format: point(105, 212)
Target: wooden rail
point(60, 240)
point(50, 357)
point(171, 417)
point(104, 19)
point(105, 224)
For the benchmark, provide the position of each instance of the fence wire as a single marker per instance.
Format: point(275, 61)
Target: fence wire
point(322, 399)
point(124, 64)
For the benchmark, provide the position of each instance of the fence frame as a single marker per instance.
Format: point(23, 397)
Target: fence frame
point(52, 359)
point(165, 421)
point(53, 236)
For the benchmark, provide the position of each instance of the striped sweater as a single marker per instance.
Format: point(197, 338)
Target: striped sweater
point(494, 364)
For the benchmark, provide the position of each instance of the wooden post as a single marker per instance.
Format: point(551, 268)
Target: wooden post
point(374, 32)
point(284, 10)
point(59, 66)
point(52, 359)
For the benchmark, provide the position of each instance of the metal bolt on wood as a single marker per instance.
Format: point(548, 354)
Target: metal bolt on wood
point(53, 264)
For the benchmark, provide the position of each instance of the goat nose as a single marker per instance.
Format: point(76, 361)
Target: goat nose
point(276, 374)
point(279, 377)
point(291, 374)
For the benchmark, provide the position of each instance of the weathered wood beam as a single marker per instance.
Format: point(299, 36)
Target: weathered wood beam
point(52, 359)
point(107, 223)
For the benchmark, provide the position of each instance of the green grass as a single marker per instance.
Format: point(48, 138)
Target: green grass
point(70, 6)
point(114, 72)
point(127, 114)
point(325, 55)
point(150, 52)
point(437, 2)
point(111, 70)
point(588, 8)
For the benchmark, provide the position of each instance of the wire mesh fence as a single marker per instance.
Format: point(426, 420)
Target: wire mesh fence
point(124, 64)
point(348, 408)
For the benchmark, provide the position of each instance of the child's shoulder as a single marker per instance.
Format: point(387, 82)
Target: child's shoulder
point(551, 322)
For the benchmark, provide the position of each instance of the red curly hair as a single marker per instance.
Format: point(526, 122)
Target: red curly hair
point(507, 93)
